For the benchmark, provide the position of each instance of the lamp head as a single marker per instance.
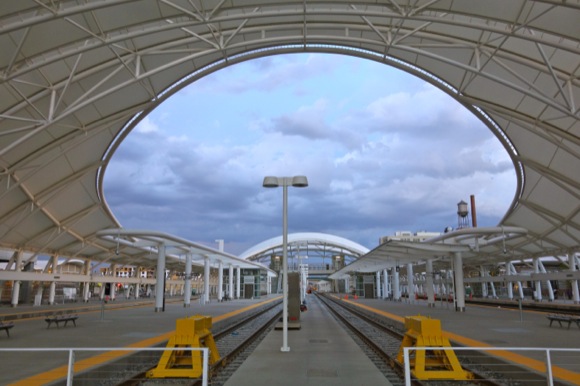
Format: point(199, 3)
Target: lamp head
point(299, 181)
point(270, 182)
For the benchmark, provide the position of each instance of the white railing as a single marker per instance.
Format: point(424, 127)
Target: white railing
point(538, 360)
point(86, 363)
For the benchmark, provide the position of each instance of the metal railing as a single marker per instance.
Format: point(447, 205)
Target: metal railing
point(540, 361)
point(87, 364)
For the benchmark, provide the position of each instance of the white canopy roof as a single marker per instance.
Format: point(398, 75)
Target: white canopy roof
point(477, 246)
point(143, 246)
point(77, 76)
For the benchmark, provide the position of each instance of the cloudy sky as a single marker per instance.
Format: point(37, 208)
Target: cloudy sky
point(383, 152)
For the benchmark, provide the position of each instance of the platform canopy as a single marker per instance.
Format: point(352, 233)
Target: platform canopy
point(476, 246)
point(77, 76)
point(143, 247)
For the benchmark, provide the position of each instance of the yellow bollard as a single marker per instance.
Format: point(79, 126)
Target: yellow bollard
point(423, 332)
point(192, 332)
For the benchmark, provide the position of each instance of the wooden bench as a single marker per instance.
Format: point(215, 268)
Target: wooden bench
point(561, 318)
point(57, 319)
point(6, 327)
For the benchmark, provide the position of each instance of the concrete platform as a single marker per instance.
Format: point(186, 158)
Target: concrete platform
point(321, 353)
point(121, 323)
point(494, 326)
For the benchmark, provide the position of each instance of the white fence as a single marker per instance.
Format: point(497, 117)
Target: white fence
point(84, 365)
point(26, 366)
point(542, 366)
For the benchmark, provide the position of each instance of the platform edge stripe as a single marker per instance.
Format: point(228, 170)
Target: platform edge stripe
point(85, 364)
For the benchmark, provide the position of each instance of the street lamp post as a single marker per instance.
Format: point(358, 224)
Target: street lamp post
point(274, 182)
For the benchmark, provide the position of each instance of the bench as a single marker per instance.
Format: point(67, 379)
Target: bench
point(57, 319)
point(560, 318)
point(6, 327)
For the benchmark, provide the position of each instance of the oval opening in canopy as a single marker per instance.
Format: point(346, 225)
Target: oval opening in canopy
point(383, 151)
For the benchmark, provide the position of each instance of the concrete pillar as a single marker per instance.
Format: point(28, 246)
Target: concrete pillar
point(386, 290)
point(378, 285)
point(429, 283)
point(396, 289)
point(573, 263)
point(268, 284)
point(16, 283)
point(206, 279)
point(113, 292)
point(15, 292)
point(231, 282)
point(51, 292)
point(459, 284)
point(238, 282)
point(160, 282)
point(538, 286)
point(187, 290)
point(220, 281)
point(87, 272)
point(410, 283)
point(138, 285)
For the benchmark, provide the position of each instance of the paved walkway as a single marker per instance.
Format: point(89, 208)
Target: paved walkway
point(122, 323)
point(321, 353)
point(494, 326)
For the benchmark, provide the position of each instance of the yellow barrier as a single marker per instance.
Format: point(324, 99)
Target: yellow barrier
point(192, 332)
point(430, 364)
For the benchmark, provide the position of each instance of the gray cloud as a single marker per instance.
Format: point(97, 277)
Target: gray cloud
point(401, 161)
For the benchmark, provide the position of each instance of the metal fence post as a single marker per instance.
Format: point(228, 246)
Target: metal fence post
point(549, 368)
point(71, 368)
point(204, 382)
point(407, 365)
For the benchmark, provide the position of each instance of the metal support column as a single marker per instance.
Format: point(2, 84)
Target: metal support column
point(87, 272)
point(396, 288)
point(113, 292)
point(52, 288)
point(160, 283)
point(410, 284)
point(238, 282)
point(187, 290)
point(220, 281)
point(538, 283)
point(386, 289)
point(509, 284)
point(459, 286)
point(231, 282)
point(429, 283)
point(16, 283)
point(206, 279)
point(574, 263)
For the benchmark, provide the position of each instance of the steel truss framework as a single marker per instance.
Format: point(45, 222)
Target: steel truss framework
point(77, 75)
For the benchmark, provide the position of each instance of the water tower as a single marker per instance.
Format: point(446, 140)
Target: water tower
point(462, 215)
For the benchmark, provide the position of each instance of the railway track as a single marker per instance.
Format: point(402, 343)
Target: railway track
point(381, 338)
point(235, 339)
point(378, 336)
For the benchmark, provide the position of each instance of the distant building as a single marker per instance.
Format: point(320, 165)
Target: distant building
point(410, 236)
